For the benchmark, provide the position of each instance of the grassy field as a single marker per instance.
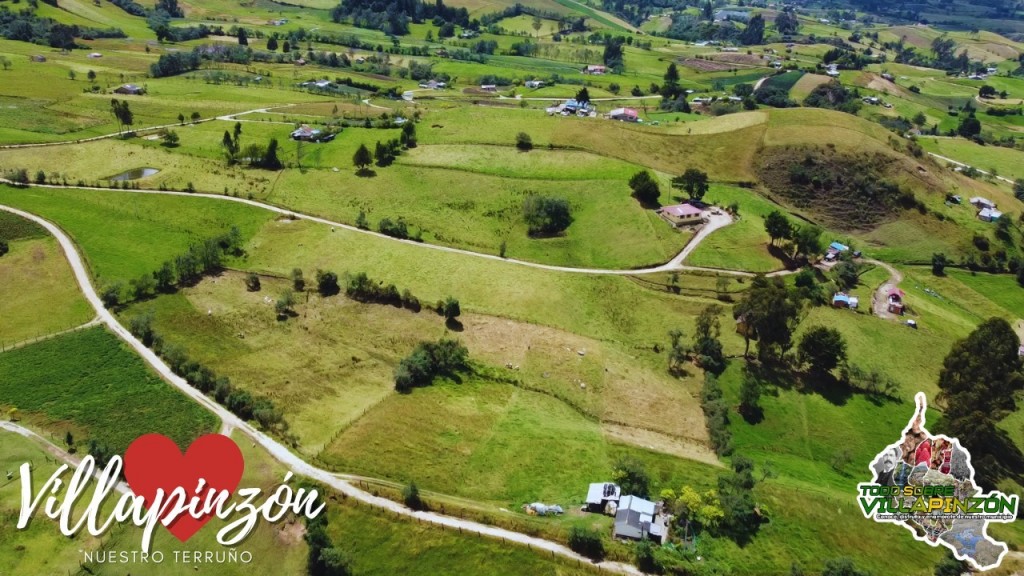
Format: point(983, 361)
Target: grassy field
point(125, 235)
point(89, 383)
point(743, 245)
point(1005, 162)
point(35, 276)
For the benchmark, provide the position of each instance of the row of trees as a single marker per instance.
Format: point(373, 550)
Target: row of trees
point(254, 155)
point(429, 360)
point(805, 238)
point(694, 182)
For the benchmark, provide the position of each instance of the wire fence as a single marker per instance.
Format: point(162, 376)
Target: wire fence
point(43, 336)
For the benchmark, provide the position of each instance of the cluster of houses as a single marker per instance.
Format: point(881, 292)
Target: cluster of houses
point(573, 107)
point(635, 518)
point(986, 209)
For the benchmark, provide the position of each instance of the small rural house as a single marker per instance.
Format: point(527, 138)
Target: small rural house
point(595, 69)
point(433, 85)
point(989, 215)
point(130, 89)
point(844, 300)
point(895, 299)
point(624, 114)
point(834, 250)
point(305, 133)
point(638, 519)
point(679, 215)
point(534, 84)
point(980, 203)
point(603, 498)
point(489, 87)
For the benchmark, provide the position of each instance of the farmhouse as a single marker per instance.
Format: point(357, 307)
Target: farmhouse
point(130, 89)
point(305, 133)
point(489, 87)
point(603, 497)
point(433, 85)
point(534, 84)
point(981, 203)
point(844, 300)
point(624, 114)
point(989, 215)
point(638, 519)
point(895, 300)
point(834, 250)
point(680, 215)
point(595, 69)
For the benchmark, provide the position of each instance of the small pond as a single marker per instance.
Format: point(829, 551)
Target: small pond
point(134, 174)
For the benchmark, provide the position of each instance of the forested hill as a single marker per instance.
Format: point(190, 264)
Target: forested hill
point(393, 16)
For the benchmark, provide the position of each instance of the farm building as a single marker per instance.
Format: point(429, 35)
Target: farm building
point(130, 89)
point(895, 299)
point(534, 84)
point(595, 69)
point(38, 58)
point(433, 85)
point(95, 55)
point(989, 215)
point(603, 497)
point(834, 250)
point(304, 132)
point(979, 202)
point(624, 114)
point(732, 15)
point(681, 215)
point(638, 519)
point(489, 87)
point(844, 300)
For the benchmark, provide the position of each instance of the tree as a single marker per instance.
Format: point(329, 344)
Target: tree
point(807, 239)
point(671, 87)
point(987, 91)
point(750, 396)
point(69, 441)
point(286, 47)
point(170, 138)
point(243, 37)
point(411, 496)
point(846, 275)
point(72, 75)
point(181, 119)
point(4, 247)
point(327, 283)
point(272, 43)
point(122, 113)
point(195, 117)
point(1018, 188)
point(632, 478)
point(777, 226)
point(284, 304)
point(694, 182)
point(537, 23)
point(939, 263)
point(361, 221)
point(298, 282)
point(111, 295)
point(754, 32)
point(919, 119)
point(164, 277)
point(362, 158)
point(969, 126)
point(270, 161)
point(91, 75)
point(523, 142)
point(450, 309)
point(645, 187)
point(787, 22)
point(978, 380)
point(546, 216)
point(770, 315)
point(583, 96)
point(822, 348)
point(706, 344)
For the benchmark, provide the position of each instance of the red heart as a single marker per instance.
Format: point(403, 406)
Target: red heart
point(153, 462)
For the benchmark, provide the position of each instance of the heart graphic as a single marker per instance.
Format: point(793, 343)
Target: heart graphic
point(154, 462)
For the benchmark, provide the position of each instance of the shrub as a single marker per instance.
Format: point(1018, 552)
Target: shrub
point(411, 496)
point(546, 216)
point(252, 282)
point(327, 283)
point(586, 542)
point(524, 142)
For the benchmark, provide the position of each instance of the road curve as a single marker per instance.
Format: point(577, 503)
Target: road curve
point(675, 264)
point(277, 450)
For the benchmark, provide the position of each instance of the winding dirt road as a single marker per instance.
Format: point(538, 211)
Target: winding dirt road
point(880, 298)
point(277, 450)
point(675, 264)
